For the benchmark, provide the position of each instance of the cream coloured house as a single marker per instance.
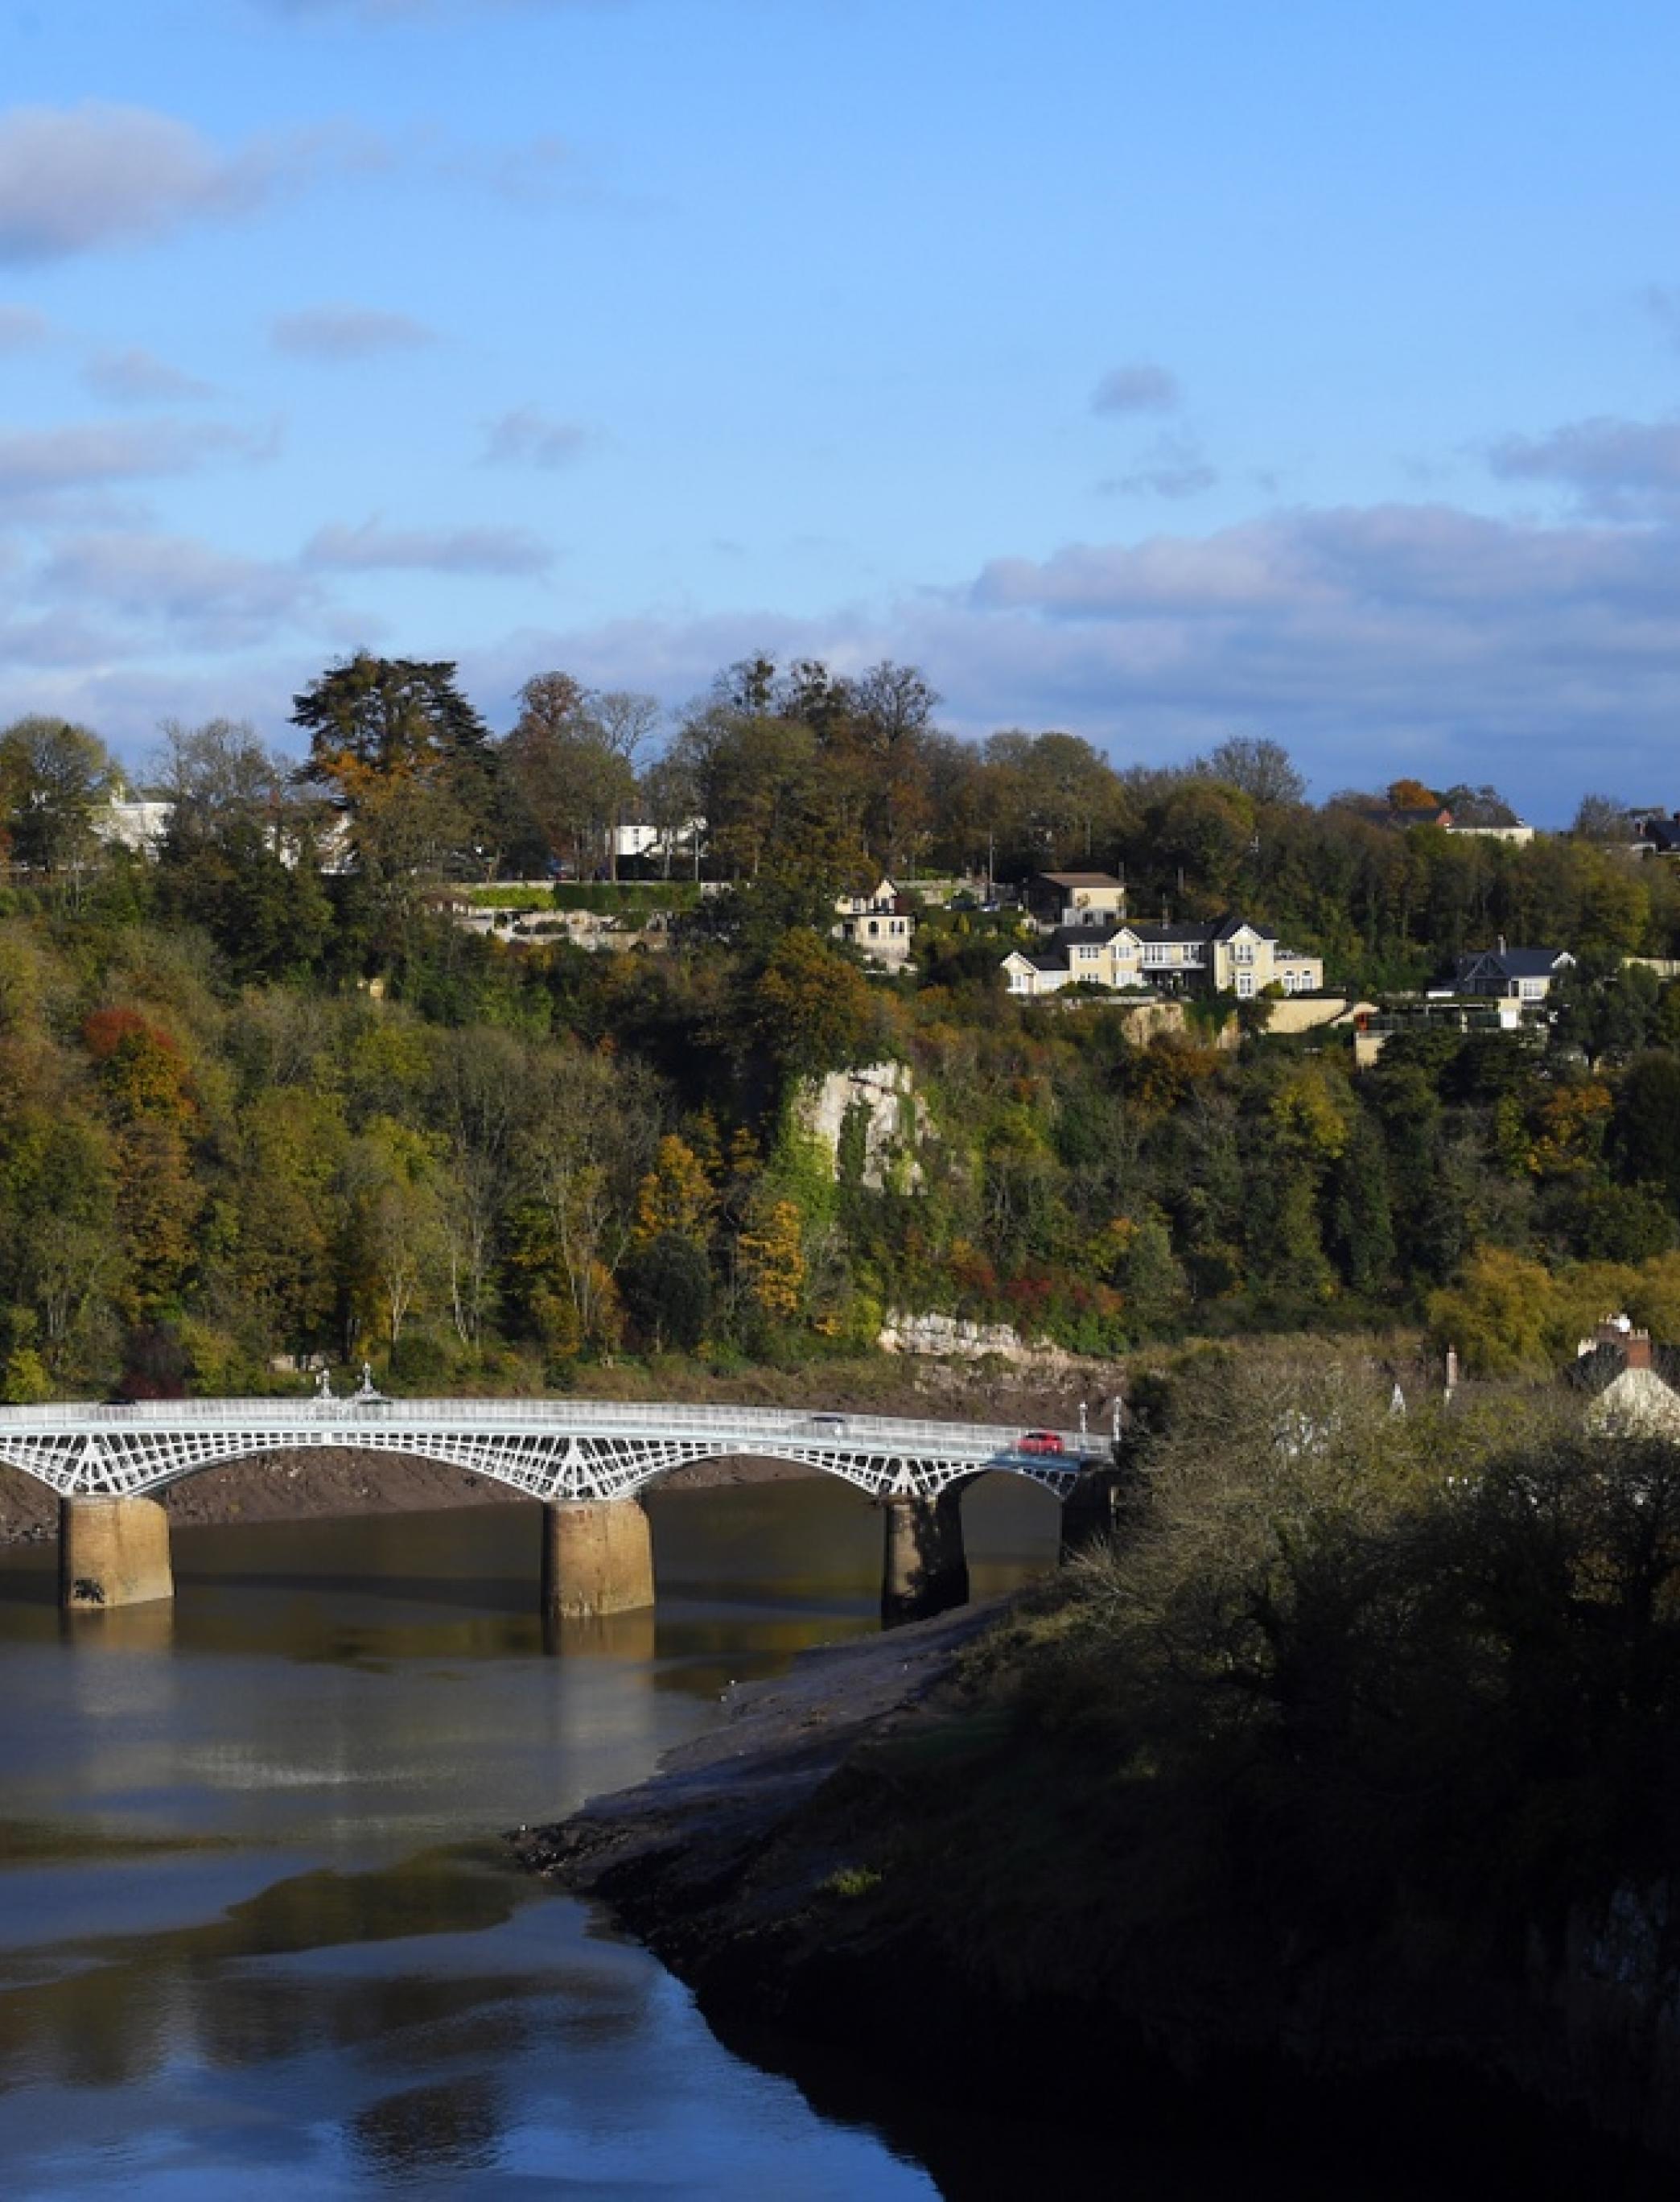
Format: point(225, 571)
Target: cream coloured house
point(880, 924)
point(1056, 900)
point(1232, 956)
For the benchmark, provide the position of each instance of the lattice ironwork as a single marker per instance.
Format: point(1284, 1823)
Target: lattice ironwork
point(547, 1449)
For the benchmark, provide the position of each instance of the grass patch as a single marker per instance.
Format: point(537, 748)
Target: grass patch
point(850, 1881)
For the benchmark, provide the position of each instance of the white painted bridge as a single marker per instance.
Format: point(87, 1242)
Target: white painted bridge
point(555, 1450)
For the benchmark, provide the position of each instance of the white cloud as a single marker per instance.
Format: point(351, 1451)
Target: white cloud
point(528, 438)
point(1618, 469)
point(338, 333)
point(61, 638)
point(403, 11)
point(504, 550)
point(41, 462)
point(216, 599)
point(71, 178)
point(138, 377)
point(1171, 467)
point(21, 327)
point(1662, 302)
point(77, 179)
point(1140, 387)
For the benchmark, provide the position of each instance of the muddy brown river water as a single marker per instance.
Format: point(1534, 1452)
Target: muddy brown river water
point(259, 1936)
point(257, 1931)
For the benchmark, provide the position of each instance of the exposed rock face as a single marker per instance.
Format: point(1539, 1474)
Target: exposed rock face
point(882, 1097)
point(956, 1340)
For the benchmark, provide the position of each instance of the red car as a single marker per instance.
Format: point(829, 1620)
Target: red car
point(1038, 1441)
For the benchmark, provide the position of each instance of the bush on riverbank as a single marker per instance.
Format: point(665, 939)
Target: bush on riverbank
point(1367, 1723)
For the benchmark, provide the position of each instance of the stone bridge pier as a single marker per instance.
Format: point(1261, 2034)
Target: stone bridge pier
point(923, 1563)
point(584, 1460)
point(112, 1552)
point(597, 1557)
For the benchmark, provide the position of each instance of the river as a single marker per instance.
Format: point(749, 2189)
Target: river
point(258, 1934)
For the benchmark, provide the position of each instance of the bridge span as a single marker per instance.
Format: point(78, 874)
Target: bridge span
point(587, 1460)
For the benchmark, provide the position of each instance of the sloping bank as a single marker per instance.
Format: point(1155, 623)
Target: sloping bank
point(886, 1851)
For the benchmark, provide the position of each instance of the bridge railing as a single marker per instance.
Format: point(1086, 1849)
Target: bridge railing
point(814, 1427)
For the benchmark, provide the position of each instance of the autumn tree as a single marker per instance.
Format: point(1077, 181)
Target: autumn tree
point(676, 1199)
point(572, 755)
point(409, 764)
point(773, 1261)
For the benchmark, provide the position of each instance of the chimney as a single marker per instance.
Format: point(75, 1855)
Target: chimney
point(1452, 1370)
point(1639, 1349)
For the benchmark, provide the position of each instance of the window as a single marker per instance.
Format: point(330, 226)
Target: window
point(1245, 985)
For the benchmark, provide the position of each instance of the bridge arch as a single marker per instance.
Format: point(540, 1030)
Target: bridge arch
point(588, 1460)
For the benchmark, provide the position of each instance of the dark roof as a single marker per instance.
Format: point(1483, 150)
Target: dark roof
point(1081, 880)
point(1199, 932)
point(1231, 925)
point(1662, 833)
point(1515, 963)
point(1594, 1371)
point(1088, 936)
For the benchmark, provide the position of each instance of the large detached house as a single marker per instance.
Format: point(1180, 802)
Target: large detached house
point(881, 924)
point(1231, 957)
point(1512, 974)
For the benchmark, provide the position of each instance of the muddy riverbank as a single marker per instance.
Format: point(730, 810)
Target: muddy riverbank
point(300, 1486)
point(791, 1865)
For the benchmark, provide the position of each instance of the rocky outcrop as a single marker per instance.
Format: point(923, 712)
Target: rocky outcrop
point(876, 1103)
point(954, 1339)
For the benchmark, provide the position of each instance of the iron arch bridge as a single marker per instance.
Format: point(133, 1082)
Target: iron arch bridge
point(552, 1450)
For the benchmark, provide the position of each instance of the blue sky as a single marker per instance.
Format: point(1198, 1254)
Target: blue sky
point(1158, 373)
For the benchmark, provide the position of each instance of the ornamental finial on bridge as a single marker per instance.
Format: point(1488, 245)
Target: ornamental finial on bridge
point(366, 1391)
point(324, 1385)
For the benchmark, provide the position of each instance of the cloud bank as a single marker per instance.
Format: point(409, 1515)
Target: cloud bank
point(340, 334)
point(528, 438)
point(71, 178)
point(1142, 387)
point(371, 548)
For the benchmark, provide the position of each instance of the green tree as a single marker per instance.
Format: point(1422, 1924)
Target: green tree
point(811, 1010)
point(668, 1289)
point(55, 778)
point(1646, 1132)
point(408, 763)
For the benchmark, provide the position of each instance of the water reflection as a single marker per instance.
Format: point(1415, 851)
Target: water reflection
point(599, 1636)
point(453, 2126)
point(254, 1928)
